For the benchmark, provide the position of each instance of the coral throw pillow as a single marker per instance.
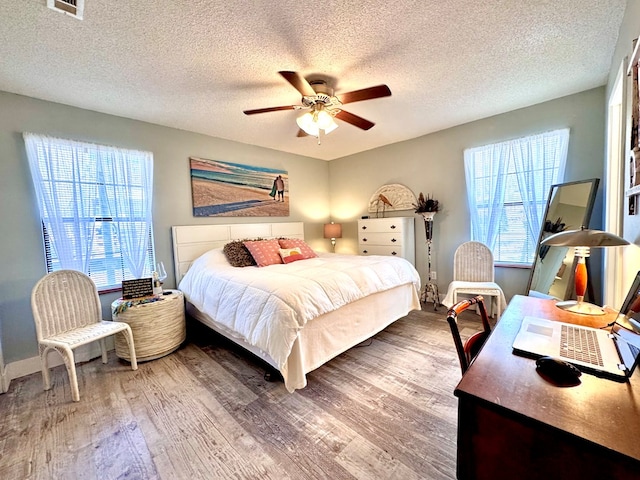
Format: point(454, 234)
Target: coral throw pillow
point(291, 254)
point(264, 252)
point(305, 249)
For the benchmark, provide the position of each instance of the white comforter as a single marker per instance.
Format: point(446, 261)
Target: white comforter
point(268, 306)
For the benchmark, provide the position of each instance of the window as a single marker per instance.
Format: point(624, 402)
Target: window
point(95, 206)
point(507, 185)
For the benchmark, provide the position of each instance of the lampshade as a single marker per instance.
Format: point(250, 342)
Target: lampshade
point(306, 123)
point(331, 126)
point(332, 230)
point(583, 240)
point(326, 122)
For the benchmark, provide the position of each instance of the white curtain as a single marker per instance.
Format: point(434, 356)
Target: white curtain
point(485, 171)
point(78, 183)
point(129, 196)
point(64, 202)
point(539, 163)
point(536, 162)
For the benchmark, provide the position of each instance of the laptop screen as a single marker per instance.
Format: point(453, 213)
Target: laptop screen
point(629, 315)
point(627, 326)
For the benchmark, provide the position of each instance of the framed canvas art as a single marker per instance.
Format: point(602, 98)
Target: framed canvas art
point(228, 189)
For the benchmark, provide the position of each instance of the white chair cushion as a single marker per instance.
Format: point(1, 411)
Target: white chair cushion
point(475, 288)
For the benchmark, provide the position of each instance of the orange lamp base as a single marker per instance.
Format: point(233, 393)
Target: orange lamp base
point(580, 306)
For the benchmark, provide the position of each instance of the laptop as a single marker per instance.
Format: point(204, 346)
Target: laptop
point(608, 352)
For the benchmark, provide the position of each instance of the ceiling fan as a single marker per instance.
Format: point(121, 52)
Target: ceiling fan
point(324, 106)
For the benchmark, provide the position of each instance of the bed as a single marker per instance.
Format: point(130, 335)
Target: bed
point(294, 316)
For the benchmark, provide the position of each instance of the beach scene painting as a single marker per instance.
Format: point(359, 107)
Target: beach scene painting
point(228, 189)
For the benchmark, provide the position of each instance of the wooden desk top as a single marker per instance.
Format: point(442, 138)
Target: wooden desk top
point(602, 411)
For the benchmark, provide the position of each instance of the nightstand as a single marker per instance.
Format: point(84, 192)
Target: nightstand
point(158, 327)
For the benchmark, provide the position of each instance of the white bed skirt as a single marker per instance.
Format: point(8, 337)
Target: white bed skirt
point(331, 334)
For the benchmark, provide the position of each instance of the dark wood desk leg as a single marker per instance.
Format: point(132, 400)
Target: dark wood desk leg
point(465, 457)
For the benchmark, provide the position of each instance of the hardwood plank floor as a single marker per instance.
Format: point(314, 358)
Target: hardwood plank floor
point(382, 410)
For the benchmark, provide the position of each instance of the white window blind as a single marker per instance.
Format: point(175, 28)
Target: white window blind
point(95, 204)
point(507, 185)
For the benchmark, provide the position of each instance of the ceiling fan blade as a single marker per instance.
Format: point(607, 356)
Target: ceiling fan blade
point(271, 109)
point(354, 120)
point(302, 133)
point(299, 83)
point(364, 94)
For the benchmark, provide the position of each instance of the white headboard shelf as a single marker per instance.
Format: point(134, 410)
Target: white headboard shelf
point(191, 241)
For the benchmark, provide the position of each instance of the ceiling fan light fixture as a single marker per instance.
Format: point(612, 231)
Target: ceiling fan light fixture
point(331, 127)
point(312, 122)
point(307, 124)
point(324, 119)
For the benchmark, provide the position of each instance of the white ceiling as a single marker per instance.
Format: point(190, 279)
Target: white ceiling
point(196, 65)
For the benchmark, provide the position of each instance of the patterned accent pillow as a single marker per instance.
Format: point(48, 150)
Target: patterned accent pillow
point(305, 249)
point(238, 255)
point(264, 252)
point(291, 254)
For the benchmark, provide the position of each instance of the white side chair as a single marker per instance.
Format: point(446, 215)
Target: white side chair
point(67, 313)
point(473, 274)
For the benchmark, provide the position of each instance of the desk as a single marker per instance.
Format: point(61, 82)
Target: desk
point(512, 424)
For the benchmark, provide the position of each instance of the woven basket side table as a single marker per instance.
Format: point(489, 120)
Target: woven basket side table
point(158, 327)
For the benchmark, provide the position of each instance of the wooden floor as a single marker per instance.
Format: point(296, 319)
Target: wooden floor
point(383, 410)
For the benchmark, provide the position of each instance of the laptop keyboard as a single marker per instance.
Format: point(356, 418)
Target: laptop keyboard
point(580, 344)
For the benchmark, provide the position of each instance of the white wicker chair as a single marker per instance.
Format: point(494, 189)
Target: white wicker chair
point(473, 274)
point(67, 313)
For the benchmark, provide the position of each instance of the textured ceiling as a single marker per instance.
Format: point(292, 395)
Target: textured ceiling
point(196, 65)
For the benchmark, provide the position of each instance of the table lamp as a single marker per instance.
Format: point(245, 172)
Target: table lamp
point(333, 231)
point(582, 240)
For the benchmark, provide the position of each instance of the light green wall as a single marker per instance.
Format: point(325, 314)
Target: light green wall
point(433, 164)
point(21, 252)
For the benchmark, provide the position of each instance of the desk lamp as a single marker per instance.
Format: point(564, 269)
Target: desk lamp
point(333, 231)
point(582, 240)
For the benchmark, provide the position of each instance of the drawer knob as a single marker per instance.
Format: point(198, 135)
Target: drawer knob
point(364, 239)
point(393, 240)
point(394, 253)
point(364, 227)
point(365, 251)
point(393, 227)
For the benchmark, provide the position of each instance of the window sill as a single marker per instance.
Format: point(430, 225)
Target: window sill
point(109, 290)
point(512, 265)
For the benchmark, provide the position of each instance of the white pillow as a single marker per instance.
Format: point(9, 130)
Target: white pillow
point(291, 254)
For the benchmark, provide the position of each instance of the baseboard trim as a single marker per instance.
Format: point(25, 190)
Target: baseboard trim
point(27, 366)
point(4, 380)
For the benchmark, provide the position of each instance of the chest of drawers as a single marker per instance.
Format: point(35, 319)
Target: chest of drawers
point(387, 236)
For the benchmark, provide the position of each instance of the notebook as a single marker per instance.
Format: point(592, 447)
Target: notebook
point(612, 352)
